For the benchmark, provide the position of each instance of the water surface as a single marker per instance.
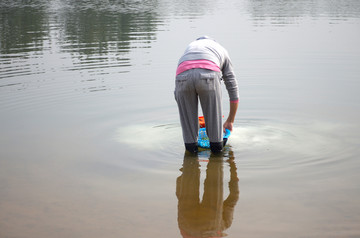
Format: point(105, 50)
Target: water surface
point(90, 140)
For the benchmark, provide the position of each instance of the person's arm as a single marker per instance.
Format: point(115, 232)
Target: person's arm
point(233, 91)
point(231, 118)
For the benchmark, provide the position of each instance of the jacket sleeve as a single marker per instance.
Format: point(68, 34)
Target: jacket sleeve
point(230, 79)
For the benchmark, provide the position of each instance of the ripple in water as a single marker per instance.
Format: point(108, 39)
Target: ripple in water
point(51, 51)
point(259, 145)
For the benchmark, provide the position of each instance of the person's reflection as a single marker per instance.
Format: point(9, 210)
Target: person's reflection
point(211, 216)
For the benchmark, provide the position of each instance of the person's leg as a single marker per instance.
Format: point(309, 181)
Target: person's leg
point(209, 90)
point(187, 101)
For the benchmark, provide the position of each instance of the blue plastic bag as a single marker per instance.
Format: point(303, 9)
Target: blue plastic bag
point(203, 139)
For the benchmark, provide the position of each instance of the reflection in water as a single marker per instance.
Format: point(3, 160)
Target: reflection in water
point(193, 9)
point(93, 28)
point(283, 12)
point(211, 216)
point(298, 134)
point(22, 27)
point(62, 37)
point(23, 30)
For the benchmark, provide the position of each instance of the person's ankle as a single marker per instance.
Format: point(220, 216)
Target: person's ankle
point(224, 142)
point(216, 147)
point(191, 147)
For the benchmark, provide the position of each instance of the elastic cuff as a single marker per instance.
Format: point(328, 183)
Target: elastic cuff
point(216, 147)
point(224, 141)
point(191, 147)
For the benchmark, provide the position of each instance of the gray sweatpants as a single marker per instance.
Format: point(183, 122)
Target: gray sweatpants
point(203, 84)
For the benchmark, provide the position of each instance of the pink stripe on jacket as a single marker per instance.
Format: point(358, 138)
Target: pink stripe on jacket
point(197, 64)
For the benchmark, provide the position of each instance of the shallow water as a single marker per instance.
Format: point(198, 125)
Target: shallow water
point(90, 140)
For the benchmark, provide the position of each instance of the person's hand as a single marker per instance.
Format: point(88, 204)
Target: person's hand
point(228, 125)
point(231, 118)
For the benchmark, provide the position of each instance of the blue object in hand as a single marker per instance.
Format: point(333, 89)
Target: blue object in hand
point(203, 139)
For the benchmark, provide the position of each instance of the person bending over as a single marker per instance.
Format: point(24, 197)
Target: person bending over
point(198, 77)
